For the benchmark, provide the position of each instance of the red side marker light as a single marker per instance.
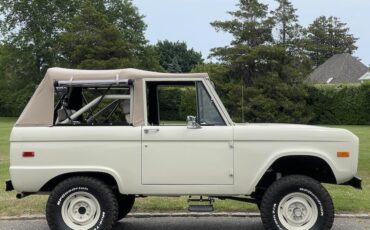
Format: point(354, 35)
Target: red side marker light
point(28, 154)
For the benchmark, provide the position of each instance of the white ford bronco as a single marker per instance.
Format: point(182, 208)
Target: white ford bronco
point(95, 140)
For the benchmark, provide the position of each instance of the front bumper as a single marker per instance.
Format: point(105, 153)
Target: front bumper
point(9, 186)
point(355, 182)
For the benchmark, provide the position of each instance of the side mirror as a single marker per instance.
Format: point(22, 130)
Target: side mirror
point(191, 123)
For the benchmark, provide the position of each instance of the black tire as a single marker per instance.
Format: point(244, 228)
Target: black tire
point(125, 204)
point(97, 192)
point(296, 185)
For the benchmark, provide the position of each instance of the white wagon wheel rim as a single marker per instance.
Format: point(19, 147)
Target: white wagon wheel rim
point(297, 211)
point(80, 210)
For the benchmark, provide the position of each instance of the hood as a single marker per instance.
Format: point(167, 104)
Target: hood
point(291, 132)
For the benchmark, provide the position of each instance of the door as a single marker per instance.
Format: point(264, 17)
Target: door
point(175, 154)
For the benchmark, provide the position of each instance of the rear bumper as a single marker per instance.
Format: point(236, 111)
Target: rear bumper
point(9, 186)
point(355, 182)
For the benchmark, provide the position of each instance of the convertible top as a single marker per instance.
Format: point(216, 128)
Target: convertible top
point(40, 109)
point(57, 73)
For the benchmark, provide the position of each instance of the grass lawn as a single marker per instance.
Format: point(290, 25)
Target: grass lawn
point(346, 198)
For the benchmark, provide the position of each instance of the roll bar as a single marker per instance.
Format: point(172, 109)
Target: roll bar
point(89, 83)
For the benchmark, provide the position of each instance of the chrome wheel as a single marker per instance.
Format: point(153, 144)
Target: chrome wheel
point(80, 210)
point(297, 211)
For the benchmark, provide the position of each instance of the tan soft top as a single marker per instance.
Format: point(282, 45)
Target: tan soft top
point(78, 74)
point(40, 109)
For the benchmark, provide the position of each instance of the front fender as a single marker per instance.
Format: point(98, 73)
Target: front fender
point(274, 157)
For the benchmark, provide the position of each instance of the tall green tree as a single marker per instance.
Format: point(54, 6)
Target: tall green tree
point(286, 22)
point(28, 31)
point(294, 65)
point(327, 36)
point(18, 79)
point(249, 50)
point(126, 17)
point(272, 91)
point(31, 38)
point(90, 41)
point(176, 57)
point(227, 87)
point(32, 26)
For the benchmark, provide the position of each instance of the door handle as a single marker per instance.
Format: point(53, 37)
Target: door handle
point(146, 131)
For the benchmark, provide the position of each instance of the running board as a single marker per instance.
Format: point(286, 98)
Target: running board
point(200, 204)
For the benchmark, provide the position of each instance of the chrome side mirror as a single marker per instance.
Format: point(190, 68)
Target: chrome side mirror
point(191, 123)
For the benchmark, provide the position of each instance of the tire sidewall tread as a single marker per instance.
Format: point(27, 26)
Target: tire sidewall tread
point(104, 195)
point(296, 183)
point(125, 204)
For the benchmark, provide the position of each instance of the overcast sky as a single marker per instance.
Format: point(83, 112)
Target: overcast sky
point(188, 20)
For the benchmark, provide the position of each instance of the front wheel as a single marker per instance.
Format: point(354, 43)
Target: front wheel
point(297, 202)
point(125, 204)
point(81, 203)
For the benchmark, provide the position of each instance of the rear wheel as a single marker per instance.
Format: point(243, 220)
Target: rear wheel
point(297, 202)
point(125, 204)
point(81, 203)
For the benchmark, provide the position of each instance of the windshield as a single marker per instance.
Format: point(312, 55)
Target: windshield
point(207, 111)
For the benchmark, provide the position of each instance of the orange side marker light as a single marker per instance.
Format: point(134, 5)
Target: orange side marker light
point(343, 154)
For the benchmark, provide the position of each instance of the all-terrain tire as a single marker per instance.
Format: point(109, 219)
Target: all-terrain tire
point(81, 203)
point(292, 201)
point(125, 204)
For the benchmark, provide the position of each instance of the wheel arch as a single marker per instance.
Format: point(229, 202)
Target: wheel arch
point(310, 164)
point(103, 176)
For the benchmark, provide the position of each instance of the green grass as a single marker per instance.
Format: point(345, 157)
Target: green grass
point(346, 198)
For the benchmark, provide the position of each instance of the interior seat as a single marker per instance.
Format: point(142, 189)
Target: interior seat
point(125, 104)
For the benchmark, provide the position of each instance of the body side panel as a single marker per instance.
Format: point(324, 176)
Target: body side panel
point(258, 147)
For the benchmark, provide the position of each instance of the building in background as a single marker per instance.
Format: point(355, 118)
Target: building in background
point(365, 77)
point(339, 69)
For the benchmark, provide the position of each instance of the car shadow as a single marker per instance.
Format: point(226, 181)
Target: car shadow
point(190, 223)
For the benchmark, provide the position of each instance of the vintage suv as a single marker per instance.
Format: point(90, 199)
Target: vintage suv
point(97, 139)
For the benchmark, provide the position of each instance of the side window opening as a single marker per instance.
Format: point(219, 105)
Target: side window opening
point(92, 105)
point(169, 103)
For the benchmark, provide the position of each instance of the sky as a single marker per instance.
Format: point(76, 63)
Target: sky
point(189, 20)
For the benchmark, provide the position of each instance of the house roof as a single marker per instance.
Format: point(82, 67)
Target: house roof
point(365, 77)
point(340, 68)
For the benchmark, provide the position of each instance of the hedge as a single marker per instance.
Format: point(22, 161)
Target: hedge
point(340, 104)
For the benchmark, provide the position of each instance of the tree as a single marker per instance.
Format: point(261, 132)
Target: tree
point(18, 77)
point(32, 26)
point(29, 30)
point(31, 42)
point(149, 59)
point(227, 87)
point(175, 57)
point(294, 63)
point(286, 22)
point(92, 42)
point(127, 19)
point(249, 51)
point(273, 100)
point(326, 37)
point(272, 91)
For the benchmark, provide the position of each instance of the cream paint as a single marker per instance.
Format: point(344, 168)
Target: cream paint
point(176, 155)
point(224, 160)
point(173, 166)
